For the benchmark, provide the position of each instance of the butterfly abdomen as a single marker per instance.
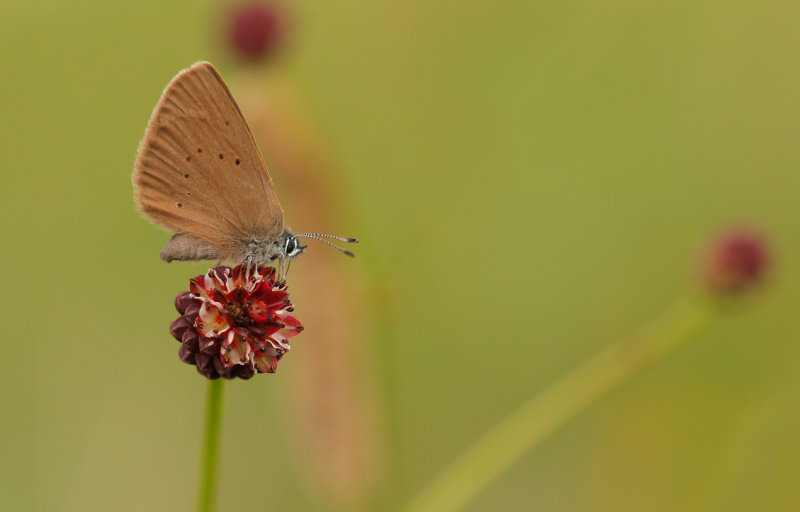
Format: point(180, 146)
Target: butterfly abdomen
point(184, 247)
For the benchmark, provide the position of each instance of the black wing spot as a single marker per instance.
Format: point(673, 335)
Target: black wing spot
point(180, 205)
point(221, 156)
point(186, 175)
point(199, 150)
point(188, 159)
point(237, 161)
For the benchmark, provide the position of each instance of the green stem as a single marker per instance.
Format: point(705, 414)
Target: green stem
point(523, 429)
point(208, 475)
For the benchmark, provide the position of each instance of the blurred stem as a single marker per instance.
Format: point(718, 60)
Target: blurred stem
point(550, 409)
point(208, 475)
point(393, 479)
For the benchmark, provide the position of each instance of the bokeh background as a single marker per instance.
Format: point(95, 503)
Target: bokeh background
point(530, 181)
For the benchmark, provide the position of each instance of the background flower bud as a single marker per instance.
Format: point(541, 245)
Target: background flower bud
point(254, 31)
point(737, 260)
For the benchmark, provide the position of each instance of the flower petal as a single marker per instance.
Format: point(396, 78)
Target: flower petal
point(261, 331)
point(272, 296)
point(277, 343)
point(292, 327)
point(208, 287)
point(242, 276)
point(201, 286)
point(211, 321)
point(267, 273)
point(263, 302)
point(238, 295)
point(266, 363)
point(235, 350)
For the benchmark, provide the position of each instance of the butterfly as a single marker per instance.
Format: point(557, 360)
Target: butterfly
point(199, 174)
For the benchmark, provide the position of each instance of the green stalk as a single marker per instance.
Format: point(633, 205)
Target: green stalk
point(547, 411)
point(208, 474)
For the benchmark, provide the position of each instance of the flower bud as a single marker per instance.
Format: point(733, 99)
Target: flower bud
point(255, 30)
point(737, 260)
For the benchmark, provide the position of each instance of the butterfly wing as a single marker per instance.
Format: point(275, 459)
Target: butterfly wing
point(199, 171)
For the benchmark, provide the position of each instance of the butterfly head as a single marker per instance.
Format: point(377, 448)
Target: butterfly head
point(291, 247)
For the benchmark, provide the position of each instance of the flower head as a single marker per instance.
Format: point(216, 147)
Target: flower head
point(235, 322)
point(255, 30)
point(736, 260)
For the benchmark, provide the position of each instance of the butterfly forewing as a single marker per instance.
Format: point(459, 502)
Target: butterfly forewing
point(199, 171)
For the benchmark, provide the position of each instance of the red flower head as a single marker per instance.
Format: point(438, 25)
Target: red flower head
point(737, 260)
point(234, 322)
point(255, 30)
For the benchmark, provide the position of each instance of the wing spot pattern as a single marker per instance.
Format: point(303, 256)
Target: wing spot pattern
point(197, 107)
point(221, 156)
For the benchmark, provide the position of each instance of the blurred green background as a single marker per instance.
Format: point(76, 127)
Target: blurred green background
point(530, 181)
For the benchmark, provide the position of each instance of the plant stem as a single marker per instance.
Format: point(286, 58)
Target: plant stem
point(208, 475)
point(523, 429)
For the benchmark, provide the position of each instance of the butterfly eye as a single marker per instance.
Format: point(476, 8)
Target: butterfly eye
point(292, 247)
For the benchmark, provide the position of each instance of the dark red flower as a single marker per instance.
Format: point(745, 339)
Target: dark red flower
point(255, 30)
point(235, 322)
point(737, 260)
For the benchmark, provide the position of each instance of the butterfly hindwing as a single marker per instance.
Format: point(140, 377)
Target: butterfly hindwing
point(199, 171)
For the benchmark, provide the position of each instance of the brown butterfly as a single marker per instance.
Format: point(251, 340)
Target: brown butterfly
point(199, 174)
